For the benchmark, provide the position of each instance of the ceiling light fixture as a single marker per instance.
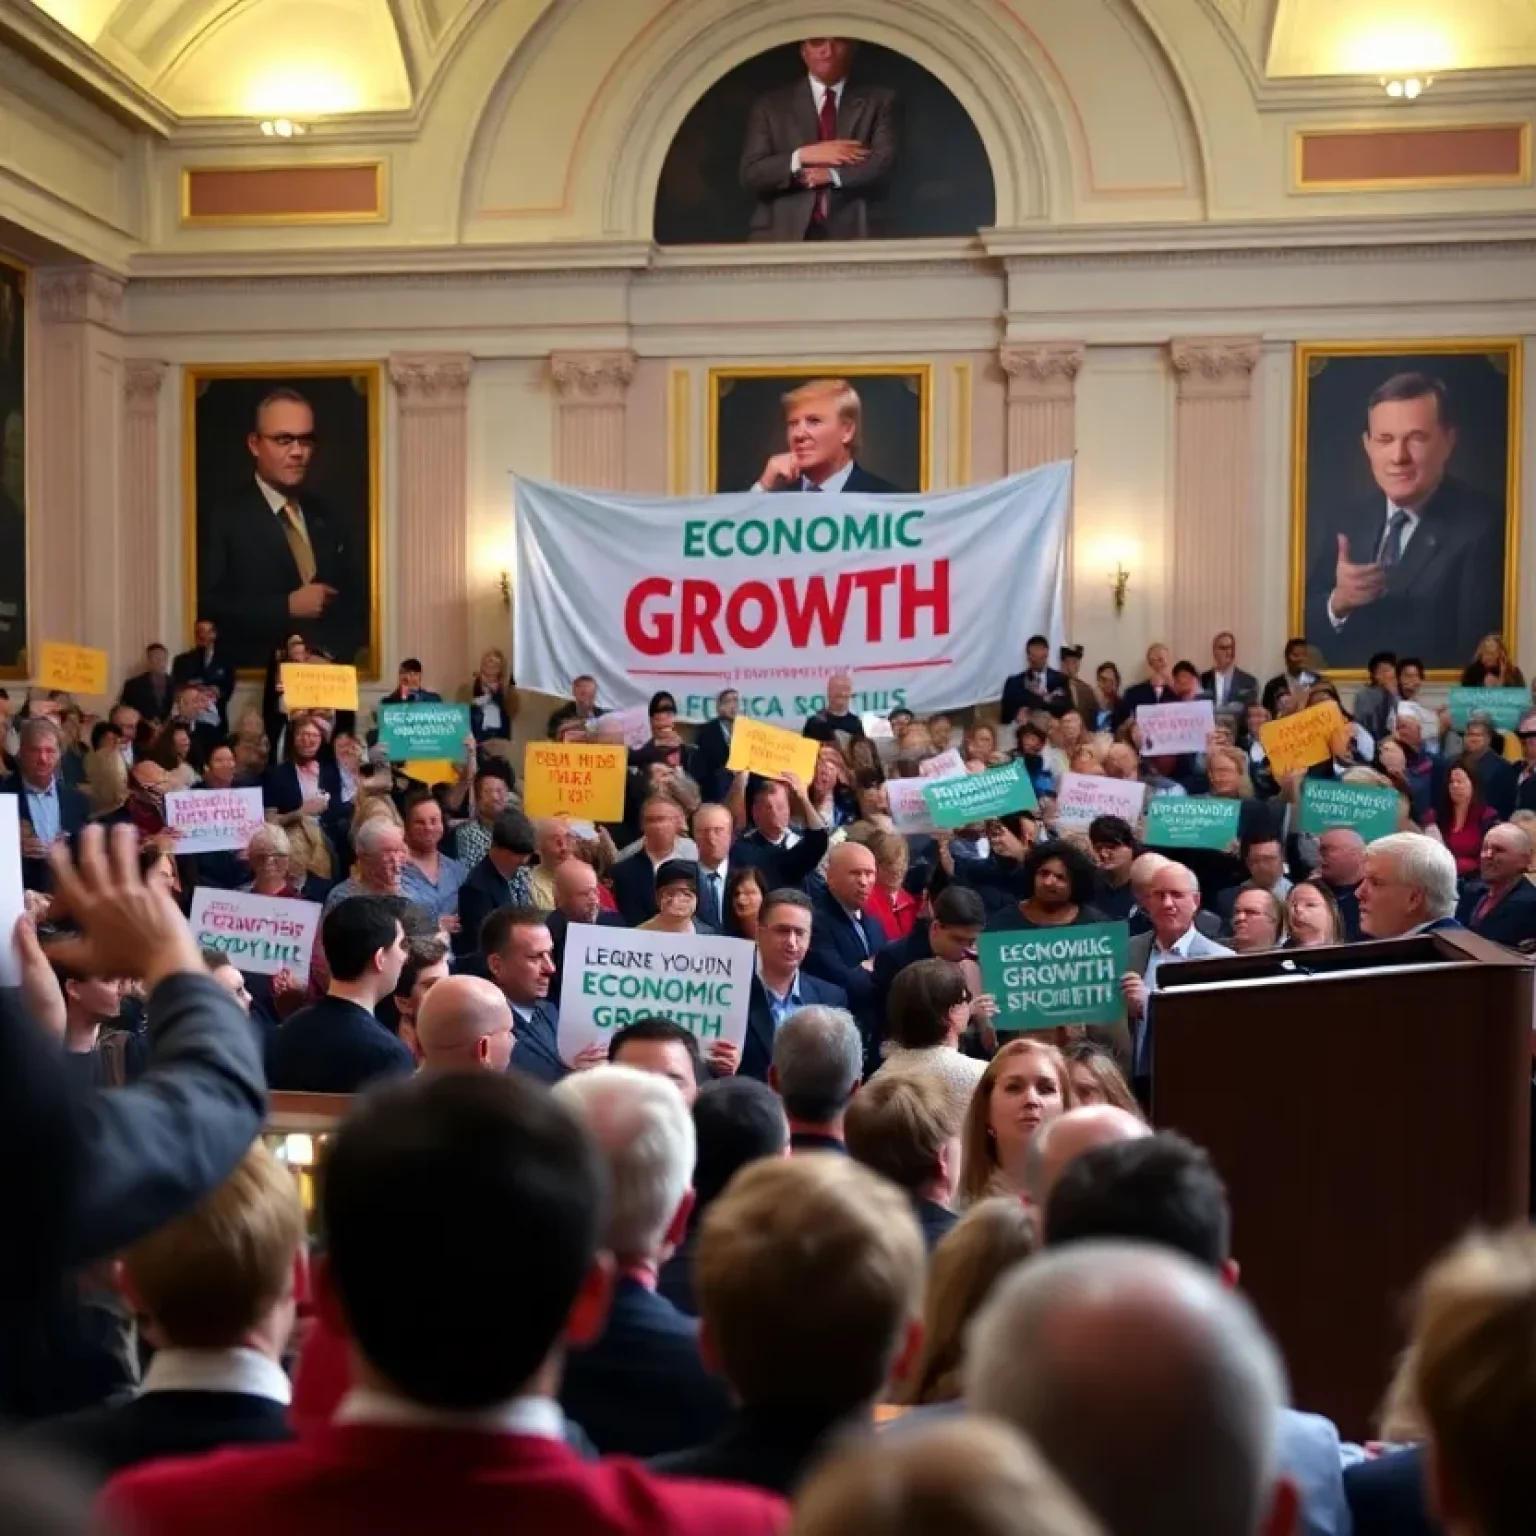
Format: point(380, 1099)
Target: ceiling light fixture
point(1406, 87)
point(282, 128)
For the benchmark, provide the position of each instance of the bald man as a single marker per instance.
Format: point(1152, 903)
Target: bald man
point(1150, 1387)
point(464, 1025)
point(1059, 1141)
point(1502, 904)
point(836, 717)
point(844, 937)
point(576, 901)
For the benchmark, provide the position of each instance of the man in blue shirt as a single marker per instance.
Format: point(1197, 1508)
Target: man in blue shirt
point(50, 808)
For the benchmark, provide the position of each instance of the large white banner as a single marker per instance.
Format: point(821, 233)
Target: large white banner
point(926, 600)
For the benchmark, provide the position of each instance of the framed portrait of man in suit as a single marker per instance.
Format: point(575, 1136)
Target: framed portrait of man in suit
point(1406, 493)
point(844, 426)
point(281, 476)
point(13, 470)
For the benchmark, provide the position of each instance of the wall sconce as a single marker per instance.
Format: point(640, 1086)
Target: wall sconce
point(1406, 87)
point(505, 586)
point(1118, 584)
point(282, 128)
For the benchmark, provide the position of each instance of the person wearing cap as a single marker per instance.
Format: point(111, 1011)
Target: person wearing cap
point(1080, 695)
point(1038, 686)
point(409, 690)
point(677, 899)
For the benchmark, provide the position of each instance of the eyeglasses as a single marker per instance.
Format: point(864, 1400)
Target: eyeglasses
point(304, 440)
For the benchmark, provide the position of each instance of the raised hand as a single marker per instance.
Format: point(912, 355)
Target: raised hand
point(1354, 585)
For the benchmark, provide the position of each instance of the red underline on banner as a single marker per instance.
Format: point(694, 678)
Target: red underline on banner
point(904, 666)
point(884, 666)
point(684, 672)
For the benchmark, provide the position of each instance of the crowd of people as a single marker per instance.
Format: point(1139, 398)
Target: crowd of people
point(886, 1265)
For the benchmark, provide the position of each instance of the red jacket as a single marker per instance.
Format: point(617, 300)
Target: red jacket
point(390, 1481)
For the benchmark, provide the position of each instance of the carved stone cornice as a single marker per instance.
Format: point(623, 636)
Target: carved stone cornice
point(142, 379)
point(1216, 366)
point(1042, 370)
point(431, 380)
point(591, 378)
point(81, 295)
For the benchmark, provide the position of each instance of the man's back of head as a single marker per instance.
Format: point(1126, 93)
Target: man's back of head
point(906, 1126)
point(644, 1134)
point(1151, 1388)
point(463, 1023)
point(736, 1120)
point(818, 1059)
point(451, 1188)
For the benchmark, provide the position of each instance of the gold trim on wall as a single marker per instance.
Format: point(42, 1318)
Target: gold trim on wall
point(789, 369)
point(379, 214)
point(1306, 353)
point(960, 423)
point(1300, 183)
point(372, 373)
point(22, 668)
point(679, 431)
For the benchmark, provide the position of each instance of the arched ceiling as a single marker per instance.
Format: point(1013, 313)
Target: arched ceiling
point(310, 58)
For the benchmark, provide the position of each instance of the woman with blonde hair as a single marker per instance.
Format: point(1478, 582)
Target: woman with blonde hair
point(492, 699)
point(1492, 666)
point(889, 902)
point(1312, 916)
point(1025, 1085)
point(1096, 1079)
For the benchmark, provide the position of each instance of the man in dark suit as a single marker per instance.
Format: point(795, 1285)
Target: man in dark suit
point(642, 1388)
point(844, 937)
point(712, 746)
point(1297, 675)
point(1226, 683)
point(500, 879)
point(1502, 905)
point(50, 810)
point(519, 957)
point(1079, 694)
point(1386, 1495)
point(780, 985)
point(1409, 886)
point(273, 560)
point(454, 1185)
point(1038, 686)
point(634, 877)
point(819, 153)
point(575, 902)
point(823, 420)
point(1418, 567)
point(152, 691)
point(205, 663)
point(1156, 688)
point(959, 917)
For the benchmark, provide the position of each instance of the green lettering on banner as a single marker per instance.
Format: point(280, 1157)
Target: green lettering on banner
point(1373, 812)
point(1044, 978)
point(423, 732)
point(959, 802)
point(849, 533)
point(1192, 821)
point(1504, 706)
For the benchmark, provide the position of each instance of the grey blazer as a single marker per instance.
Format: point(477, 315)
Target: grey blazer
point(1138, 953)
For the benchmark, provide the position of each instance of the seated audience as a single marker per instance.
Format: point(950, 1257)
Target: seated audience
point(214, 1294)
point(634, 875)
point(337, 1045)
point(380, 865)
point(426, 964)
point(50, 811)
point(959, 916)
point(802, 1376)
point(1341, 867)
point(1408, 886)
point(1312, 916)
point(928, 1011)
point(1066, 1139)
point(1461, 816)
point(1258, 919)
point(640, 1387)
point(470, 841)
point(662, 1047)
point(1025, 1085)
point(905, 1125)
point(453, 1187)
point(1097, 1080)
point(464, 1024)
point(780, 986)
point(501, 879)
point(818, 1064)
point(745, 892)
point(518, 955)
point(554, 845)
point(785, 856)
point(1501, 904)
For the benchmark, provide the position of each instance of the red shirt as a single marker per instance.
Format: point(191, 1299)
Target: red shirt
point(896, 914)
point(1467, 844)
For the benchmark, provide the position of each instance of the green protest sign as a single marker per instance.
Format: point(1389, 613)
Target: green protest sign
point(1326, 803)
point(423, 732)
point(1046, 977)
point(960, 802)
point(1192, 821)
point(1504, 706)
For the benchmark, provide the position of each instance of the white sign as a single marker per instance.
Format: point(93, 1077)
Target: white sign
point(909, 809)
point(771, 595)
point(877, 728)
point(635, 722)
point(613, 976)
point(946, 765)
point(13, 900)
point(214, 820)
point(1084, 796)
point(262, 935)
point(1168, 730)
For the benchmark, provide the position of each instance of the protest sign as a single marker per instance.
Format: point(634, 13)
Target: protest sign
point(1369, 809)
point(634, 722)
point(909, 807)
point(1085, 796)
point(980, 796)
point(13, 900)
point(574, 779)
point(943, 765)
point(1294, 742)
point(1046, 977)
point(432, 770)
point(318, 685)
point(1169, 730)
point(1504, 706)
point(423, 732)
point(72, 668)
point(1192, 821)
point(611, 977)
point(214, 820)
point(262, 935)
point(771, 752)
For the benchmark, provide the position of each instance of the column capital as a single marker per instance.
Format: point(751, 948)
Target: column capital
point(431, 380)
point(81, 294)
point(142, 380)
point(591, 378)
point(1041, 370)
point(1218, 367)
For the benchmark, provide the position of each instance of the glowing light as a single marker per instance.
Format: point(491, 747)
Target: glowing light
point(1399, 50)
point(295, 91)
point(283, 128)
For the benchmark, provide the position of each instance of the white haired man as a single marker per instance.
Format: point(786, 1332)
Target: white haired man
point(1409, 887)
point(641, 1389)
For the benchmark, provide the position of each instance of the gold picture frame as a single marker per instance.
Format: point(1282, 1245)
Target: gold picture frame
point(1334, 491)
point(15, 543)
point(755, 428)
point(355, 391)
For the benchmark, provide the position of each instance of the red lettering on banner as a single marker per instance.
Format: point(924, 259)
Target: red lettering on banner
point(913, 598)
point(701, 607)
point(800, 616)
point(650, 634)
point(873, 585)
point(751, 637)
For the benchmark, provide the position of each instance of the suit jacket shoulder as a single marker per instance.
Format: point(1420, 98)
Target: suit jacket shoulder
point(860, 479)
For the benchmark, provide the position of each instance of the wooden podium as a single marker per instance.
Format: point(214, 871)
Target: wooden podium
point(1366, 1104)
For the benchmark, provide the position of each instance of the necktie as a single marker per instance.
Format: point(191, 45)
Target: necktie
point(710, 898)
point(302, 550)
point(1484, 907)
point(1392, 545)
point(857, 919)
point(826, 128)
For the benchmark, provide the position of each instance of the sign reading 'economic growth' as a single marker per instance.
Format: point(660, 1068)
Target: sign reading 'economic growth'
point(1192, 821)
point(423, 732)
point(1046, 977)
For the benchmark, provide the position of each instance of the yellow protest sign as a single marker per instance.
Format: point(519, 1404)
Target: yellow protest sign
point(433, 770)
point(772, 752)
point(316, 685)
point(72, 668)
point(1295, 742)
point(574, 779)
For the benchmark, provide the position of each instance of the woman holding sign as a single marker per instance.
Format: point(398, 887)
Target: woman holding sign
point(1058, 883)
